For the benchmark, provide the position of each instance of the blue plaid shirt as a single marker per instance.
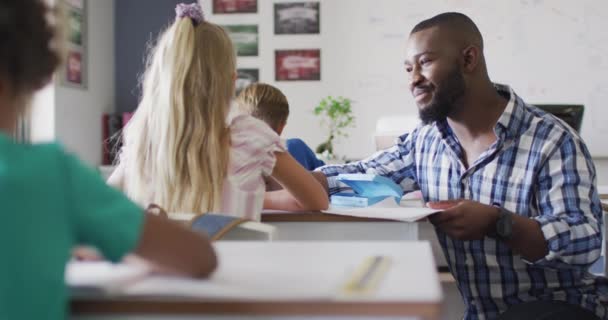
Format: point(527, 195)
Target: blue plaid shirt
point(538, 168)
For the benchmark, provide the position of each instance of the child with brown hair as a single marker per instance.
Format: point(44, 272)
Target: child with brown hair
point(51, 202)
point(270, 105)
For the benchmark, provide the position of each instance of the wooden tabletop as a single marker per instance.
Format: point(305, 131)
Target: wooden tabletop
point(177, 307)
point(316, 216)
point(284, 278)
point(269, 217)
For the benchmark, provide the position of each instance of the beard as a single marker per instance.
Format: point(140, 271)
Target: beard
point(444, 102)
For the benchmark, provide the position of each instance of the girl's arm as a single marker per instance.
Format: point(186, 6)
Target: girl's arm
point(301, 191)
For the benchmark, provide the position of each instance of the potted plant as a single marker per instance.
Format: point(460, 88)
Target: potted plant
point(336, 116)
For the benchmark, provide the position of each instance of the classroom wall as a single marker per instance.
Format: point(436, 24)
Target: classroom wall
point(42, 111)
point(303, 96)
point(137, 23)
point(79, 112)
point(601, 166)
point(362, 43)
point(73, 116)
point(548, 51)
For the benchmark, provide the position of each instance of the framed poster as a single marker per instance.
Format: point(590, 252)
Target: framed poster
point(246, 77)
point(235, 6)
point(296, 18)
point(301, 64)
point(245, 39)
point(75, 68)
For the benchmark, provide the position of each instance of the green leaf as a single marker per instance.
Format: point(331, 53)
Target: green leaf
point(336, 115)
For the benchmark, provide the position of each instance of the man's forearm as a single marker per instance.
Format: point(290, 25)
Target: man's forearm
point(527, 239)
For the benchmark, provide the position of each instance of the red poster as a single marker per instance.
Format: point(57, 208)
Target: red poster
point(291, 65)
point(235, 6)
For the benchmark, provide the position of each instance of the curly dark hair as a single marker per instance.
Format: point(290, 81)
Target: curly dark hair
point(27, 59)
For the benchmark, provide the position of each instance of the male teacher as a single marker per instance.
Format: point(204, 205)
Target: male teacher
point(522, 220)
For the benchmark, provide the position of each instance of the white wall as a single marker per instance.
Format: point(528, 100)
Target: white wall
point(78, 112)
point(73, 116)
point(548, 51)
point(302, 95)
point(601, 166)
point(42, 116)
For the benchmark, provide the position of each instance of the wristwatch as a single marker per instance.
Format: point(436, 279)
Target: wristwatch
point(504, 225)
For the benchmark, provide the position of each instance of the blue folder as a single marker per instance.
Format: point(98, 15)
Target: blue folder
point(368, 190)
point(215, 226)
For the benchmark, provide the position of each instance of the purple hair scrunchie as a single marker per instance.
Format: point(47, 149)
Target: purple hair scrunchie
point(192, 11)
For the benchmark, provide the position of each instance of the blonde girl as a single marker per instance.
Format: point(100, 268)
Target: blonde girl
point(184, 152)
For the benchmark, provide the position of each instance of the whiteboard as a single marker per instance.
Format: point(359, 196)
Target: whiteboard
point(549, 51)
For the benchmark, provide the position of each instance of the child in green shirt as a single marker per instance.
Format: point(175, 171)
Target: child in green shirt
point(52, 203)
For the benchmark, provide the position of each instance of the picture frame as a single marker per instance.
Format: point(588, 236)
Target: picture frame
point(246, 77)
point(75, 69)
point(298, 65)
point(245, 38)
point(297, 18)
point(234, 6)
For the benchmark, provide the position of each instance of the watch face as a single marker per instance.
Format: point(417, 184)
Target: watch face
point(504, 227)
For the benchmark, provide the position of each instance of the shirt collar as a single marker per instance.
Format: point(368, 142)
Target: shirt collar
point(510, 123)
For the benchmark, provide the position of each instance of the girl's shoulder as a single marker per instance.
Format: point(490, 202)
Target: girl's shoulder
point(247, 131)
point(253, 145)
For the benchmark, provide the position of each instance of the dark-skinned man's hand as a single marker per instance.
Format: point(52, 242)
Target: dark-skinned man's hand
point(464, 219)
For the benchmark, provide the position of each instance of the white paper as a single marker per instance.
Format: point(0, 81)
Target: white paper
point(385, 209)
point(102, 275)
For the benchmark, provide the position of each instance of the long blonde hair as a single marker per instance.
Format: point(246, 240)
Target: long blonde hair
point(177, 143)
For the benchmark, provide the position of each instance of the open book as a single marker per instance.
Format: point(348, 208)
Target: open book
point(223, 227)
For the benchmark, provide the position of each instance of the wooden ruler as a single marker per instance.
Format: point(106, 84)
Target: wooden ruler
point(364, 281)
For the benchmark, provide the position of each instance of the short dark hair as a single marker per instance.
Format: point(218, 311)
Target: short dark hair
point(27, 58)
point(452, 20)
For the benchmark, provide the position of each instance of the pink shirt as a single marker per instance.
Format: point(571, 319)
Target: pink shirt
point(251, 158)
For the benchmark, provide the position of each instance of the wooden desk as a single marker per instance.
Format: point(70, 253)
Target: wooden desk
point(316, 226)
point(301, 226)
point(283, 279)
